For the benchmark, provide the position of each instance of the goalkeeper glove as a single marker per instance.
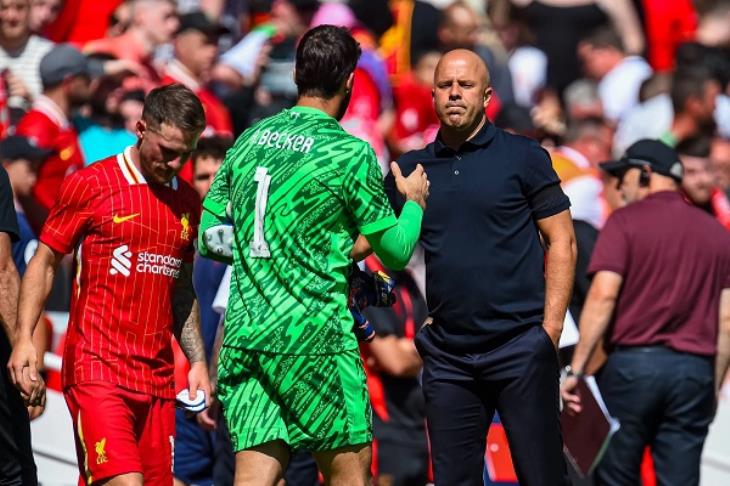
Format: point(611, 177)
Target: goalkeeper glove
point(219, 240)
point(374, 289)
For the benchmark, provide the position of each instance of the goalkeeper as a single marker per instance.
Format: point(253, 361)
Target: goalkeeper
point(301, 190)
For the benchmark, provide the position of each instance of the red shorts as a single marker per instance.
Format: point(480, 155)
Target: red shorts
point(119, 431)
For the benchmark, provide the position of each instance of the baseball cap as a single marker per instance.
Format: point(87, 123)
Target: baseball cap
point(197, 20)
point(662, 159)
point(61, 61)
point(16, 147)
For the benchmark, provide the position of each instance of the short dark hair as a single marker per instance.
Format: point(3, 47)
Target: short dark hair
point(688, 82)
point(215, 146)
point(326, 56)
point(698, 146)
point(604, 37)
point(175, 105)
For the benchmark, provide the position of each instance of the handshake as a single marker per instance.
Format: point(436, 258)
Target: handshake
point(368, 289)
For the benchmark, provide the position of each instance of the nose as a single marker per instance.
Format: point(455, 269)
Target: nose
point(454, 91)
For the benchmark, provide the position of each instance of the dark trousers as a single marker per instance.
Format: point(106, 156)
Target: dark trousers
point(520, 380)
point(17, 466)
point(664, 399)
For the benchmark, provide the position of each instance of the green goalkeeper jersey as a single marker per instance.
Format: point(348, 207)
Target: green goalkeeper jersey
point(300, 189)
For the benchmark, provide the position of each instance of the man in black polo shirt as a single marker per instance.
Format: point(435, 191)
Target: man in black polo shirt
point(16, 456)
point(661, 297)
point(497, 304)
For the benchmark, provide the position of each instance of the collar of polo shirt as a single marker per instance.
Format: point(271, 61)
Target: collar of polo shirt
point(480, 139)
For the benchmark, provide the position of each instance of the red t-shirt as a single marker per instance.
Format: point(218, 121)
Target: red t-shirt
point(50, 129)
point(675, 260)
point(132, 239)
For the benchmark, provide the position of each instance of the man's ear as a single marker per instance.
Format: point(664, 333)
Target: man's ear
point(350, 82)
point(487, 96)
point(141, 128)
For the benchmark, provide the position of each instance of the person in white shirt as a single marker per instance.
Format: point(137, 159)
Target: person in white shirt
point(619, 75)
point(20, 53)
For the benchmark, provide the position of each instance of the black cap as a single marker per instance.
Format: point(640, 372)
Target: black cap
point(16, 147)
point(662, 159)
point(61, 61)
point(197, 20)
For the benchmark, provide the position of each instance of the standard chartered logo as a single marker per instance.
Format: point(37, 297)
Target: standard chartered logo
point(121, 263)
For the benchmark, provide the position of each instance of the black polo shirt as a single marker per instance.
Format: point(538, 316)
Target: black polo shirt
point(484, 259)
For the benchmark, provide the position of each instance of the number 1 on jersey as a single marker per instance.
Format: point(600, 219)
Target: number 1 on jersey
point(259, 248)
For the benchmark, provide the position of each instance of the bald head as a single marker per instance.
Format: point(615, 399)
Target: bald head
point(467, 60)
point(461, 91)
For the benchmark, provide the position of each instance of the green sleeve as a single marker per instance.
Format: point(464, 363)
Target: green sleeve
point(216, 201)
point(363, 190)
point(395, 245)
point(214, 208)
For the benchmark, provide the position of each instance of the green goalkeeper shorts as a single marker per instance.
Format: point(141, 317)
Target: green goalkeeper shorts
point(317, 402)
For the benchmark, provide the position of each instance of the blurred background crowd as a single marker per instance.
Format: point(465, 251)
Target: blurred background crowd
point(586, 78)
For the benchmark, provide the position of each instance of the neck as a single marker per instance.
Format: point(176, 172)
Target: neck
point(330, 106)
point(135, 159)
point(14, 44)
point(662, 184)
point(683, 127)
point(197, 77)
point(59, 98)
point(148, 46)
point(453, 138)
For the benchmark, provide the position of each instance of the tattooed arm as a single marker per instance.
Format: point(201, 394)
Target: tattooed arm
point(186, 316)
point(186, 326)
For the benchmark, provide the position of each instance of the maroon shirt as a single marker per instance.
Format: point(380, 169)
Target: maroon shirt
point(675, 260)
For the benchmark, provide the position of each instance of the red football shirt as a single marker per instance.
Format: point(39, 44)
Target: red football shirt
point(132, 239)
point(49, 128)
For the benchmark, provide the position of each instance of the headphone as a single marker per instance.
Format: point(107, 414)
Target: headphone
point(644, 177)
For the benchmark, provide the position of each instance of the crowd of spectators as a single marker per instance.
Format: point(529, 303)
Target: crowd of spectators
point(586, 78)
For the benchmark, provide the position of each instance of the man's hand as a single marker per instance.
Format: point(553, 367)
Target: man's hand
point(23, 370)
point(37, 411)
point(571, 398)
point(198, 379)
point(414, 187)
point(16, 86)
point(208, 418)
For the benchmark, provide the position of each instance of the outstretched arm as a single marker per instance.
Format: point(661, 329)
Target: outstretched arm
point(34, 290)
point(186, 327)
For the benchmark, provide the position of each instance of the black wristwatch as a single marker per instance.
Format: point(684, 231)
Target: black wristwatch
point(569, 371)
